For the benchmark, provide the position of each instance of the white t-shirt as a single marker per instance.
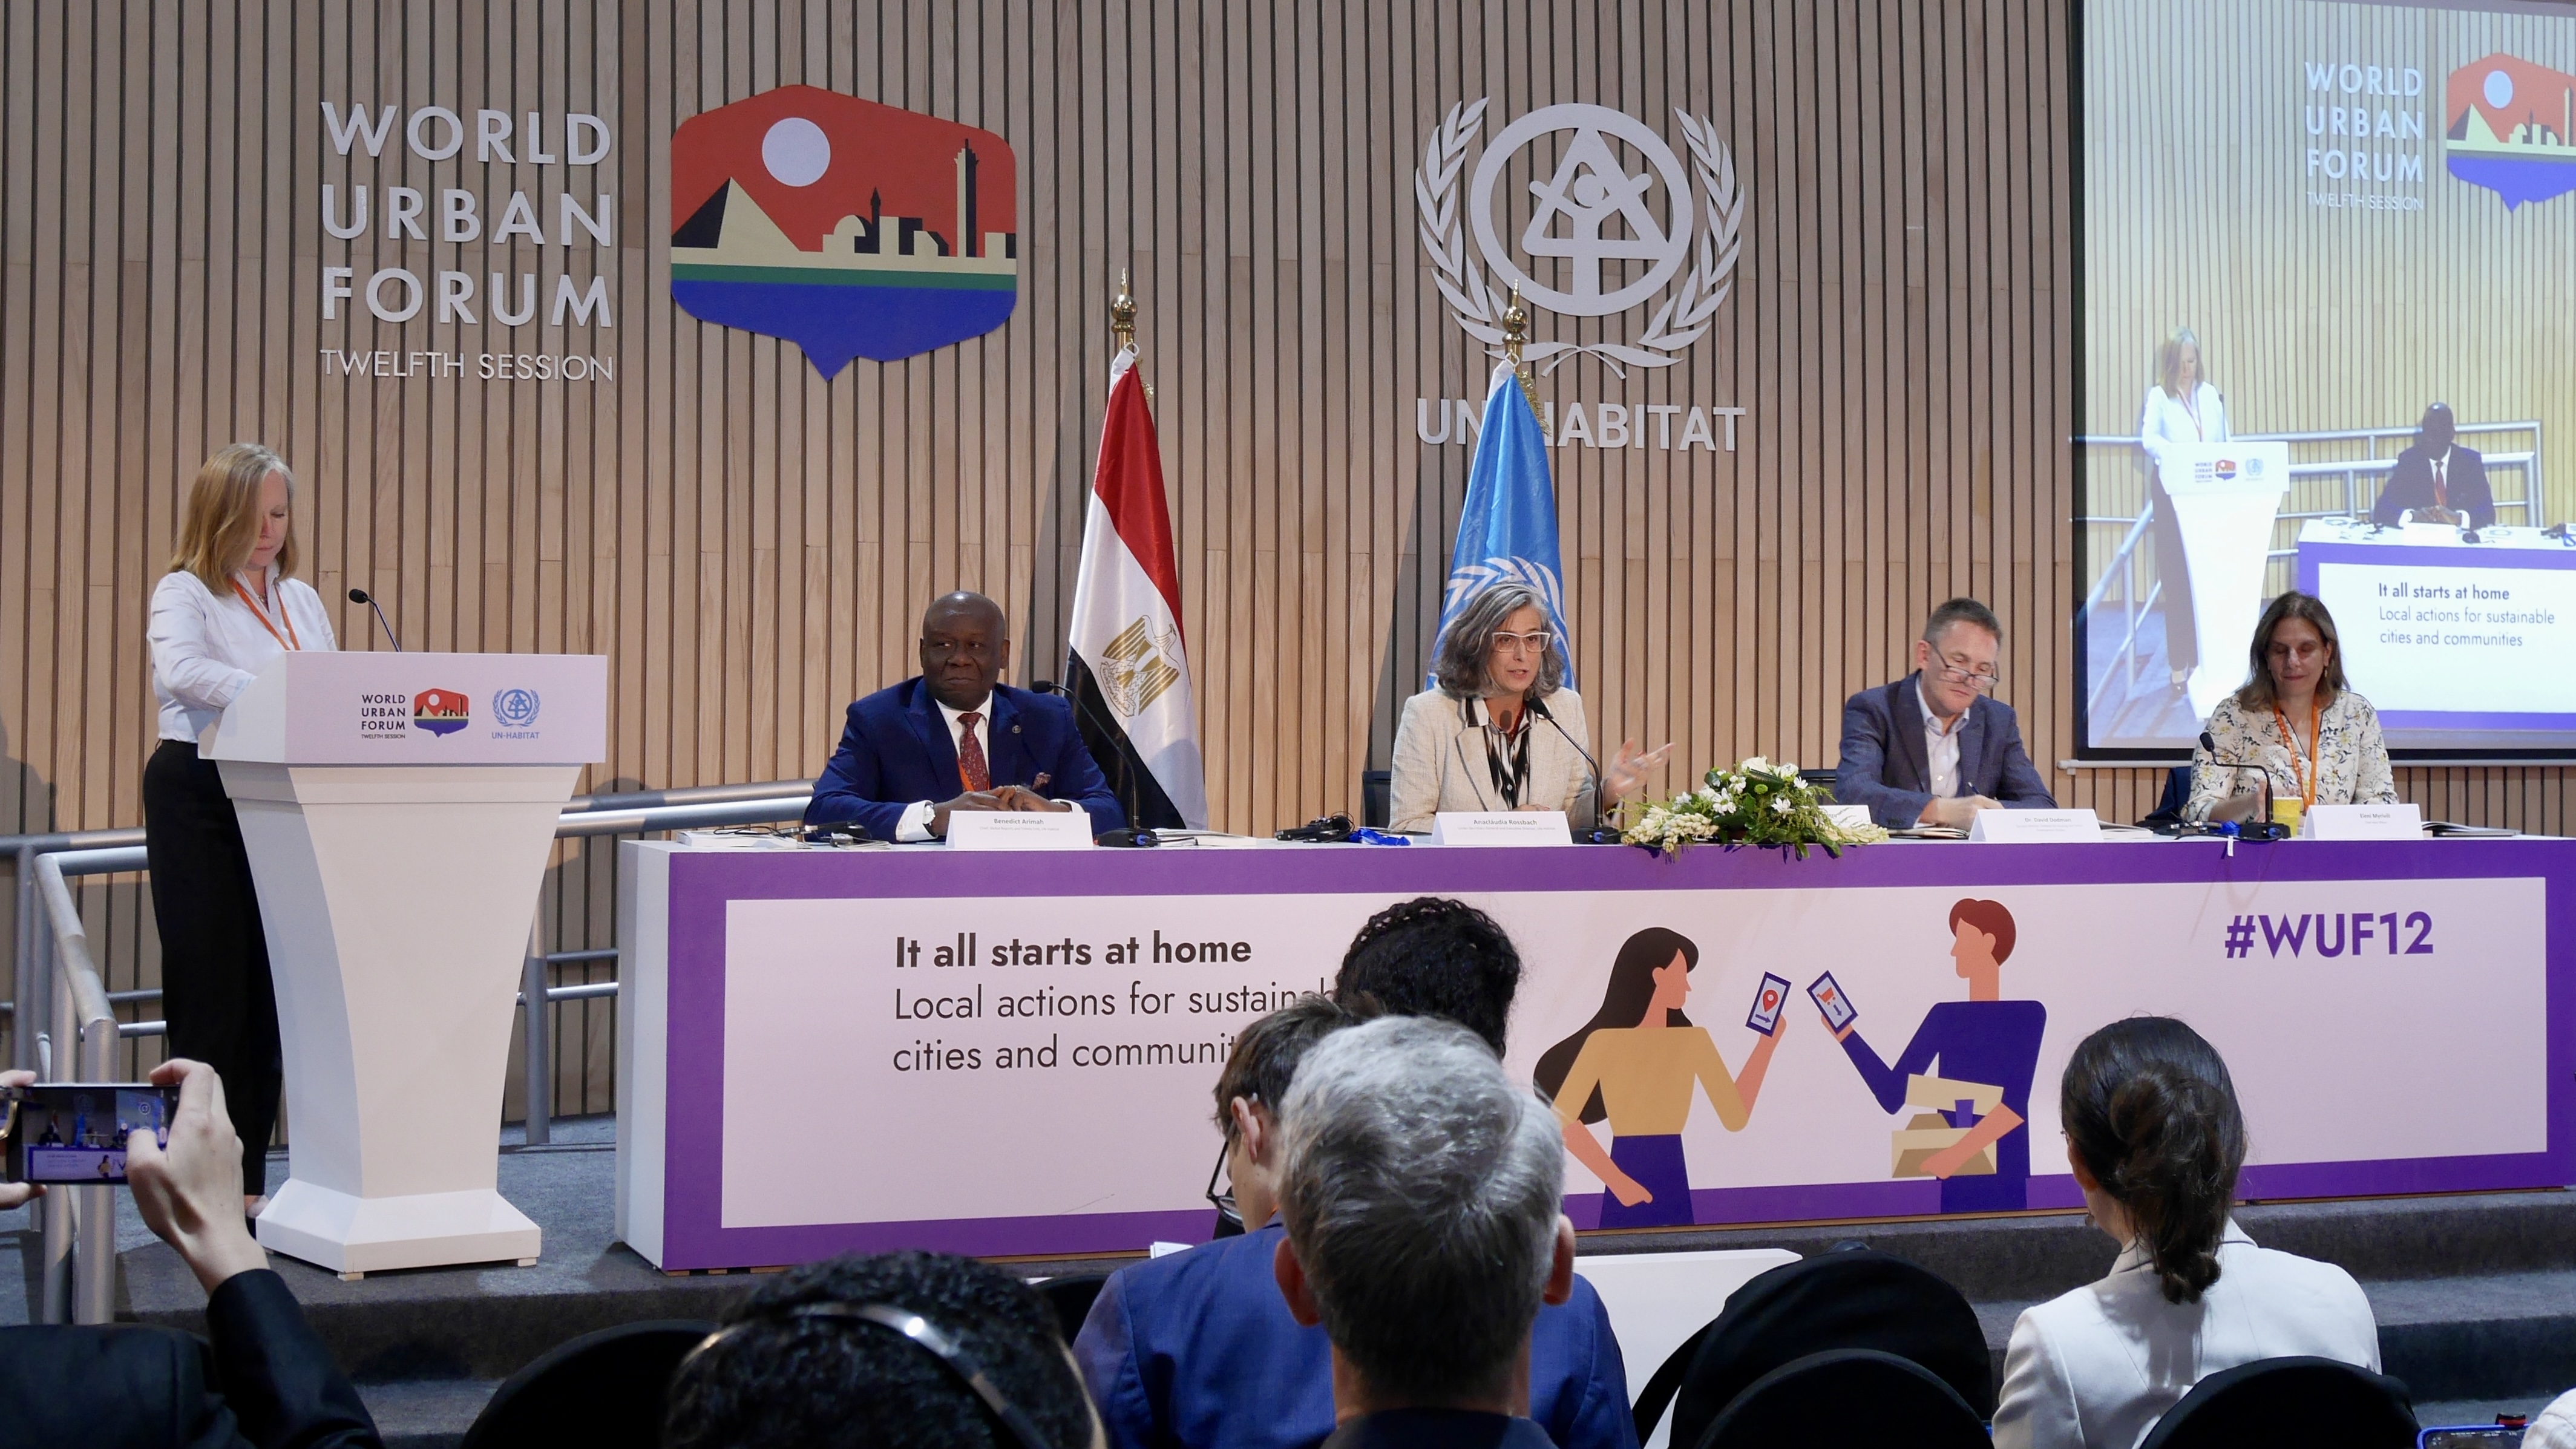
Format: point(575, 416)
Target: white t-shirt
point(206, 645)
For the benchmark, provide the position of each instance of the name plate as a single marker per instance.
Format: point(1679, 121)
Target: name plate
point(2362, 822)
point(1500, 827)
point(2035, 827)
point(1019, 830)
point(1849, 817)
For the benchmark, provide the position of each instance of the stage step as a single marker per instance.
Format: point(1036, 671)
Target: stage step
point(2476, 1295)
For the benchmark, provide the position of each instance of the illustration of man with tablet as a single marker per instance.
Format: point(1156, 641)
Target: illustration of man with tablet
point(1987, 1049)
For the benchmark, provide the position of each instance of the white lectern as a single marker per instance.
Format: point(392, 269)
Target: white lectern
point(2225, 498)
point(398, 810)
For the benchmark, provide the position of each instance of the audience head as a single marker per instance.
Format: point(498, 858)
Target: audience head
point(237, 516)
point(965, 647)
point(1250, 1089)
point(1422, 1191)
point(1500, 643)
point(1651, 973)
point(796, 1363)
point(2295, 651)
point(2156, 1138)
point(1959, 656)
point(1434, 957)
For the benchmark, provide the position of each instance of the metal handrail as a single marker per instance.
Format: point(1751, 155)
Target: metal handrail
point(79, 1269)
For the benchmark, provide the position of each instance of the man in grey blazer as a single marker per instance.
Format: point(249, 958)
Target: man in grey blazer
point(1935, 747)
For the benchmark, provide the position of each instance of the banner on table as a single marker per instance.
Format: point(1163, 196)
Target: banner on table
point(1021, 1071)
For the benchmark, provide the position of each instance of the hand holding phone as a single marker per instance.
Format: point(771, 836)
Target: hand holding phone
point(1772, 995)
point(1828, 993)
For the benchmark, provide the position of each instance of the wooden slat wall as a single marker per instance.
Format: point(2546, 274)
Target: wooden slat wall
point(751, 544)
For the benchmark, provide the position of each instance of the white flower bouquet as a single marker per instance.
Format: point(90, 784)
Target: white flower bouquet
point(1755, 803)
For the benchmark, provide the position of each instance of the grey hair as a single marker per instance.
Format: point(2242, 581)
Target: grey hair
point(1421, 1187)
point(1458, 660)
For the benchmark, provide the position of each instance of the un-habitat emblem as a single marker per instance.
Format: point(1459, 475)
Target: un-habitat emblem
point(849, 228)
point(1591, 238)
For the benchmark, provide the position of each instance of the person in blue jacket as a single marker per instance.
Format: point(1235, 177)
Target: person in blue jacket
point(1984, 1039)
point(953, 737)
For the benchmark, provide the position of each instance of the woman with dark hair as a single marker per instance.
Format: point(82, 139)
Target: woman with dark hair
point(2316, 738)
point(2155, 1138)
point(1635, 1063)
point(1498, 729)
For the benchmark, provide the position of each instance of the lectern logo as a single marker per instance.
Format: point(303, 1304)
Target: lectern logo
point(515, 708)
point(1616, 240)
point(441, 711)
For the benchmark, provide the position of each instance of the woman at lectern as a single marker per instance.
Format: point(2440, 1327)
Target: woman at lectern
point(2296, 720)
point(2182, 407)
point(1498, 730)
point(228, 605)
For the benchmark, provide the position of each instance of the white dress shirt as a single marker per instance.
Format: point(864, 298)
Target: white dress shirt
point(914, 827)
point(2166, 419)
point(206, 645)
point(2096, 1368)
point(1940, 746)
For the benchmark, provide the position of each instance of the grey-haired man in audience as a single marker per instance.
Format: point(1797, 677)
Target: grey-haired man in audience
point(1421, 1188)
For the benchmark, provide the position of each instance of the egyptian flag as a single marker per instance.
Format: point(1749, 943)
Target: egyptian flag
point(1124, 664)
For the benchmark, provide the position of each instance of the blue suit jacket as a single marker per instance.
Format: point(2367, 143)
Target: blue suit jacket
point(1886, 767)
point(1198, 1350)
point(896, 750)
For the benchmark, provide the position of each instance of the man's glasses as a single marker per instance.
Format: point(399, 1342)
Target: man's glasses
point(1960, 671)
point(1535, 643)
point(1223, 1199)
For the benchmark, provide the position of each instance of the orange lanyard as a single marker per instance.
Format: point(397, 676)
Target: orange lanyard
point(287, 640)
point(2316, 727)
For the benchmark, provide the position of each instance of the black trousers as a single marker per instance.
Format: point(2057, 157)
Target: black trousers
point(215, 987)
point(2182, 626)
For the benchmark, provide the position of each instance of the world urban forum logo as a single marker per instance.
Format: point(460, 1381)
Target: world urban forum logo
point(849, 228)
point(441, 711)
point(2509, 128)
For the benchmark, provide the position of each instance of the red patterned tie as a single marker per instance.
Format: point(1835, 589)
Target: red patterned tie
point(2441, 484)
point(970, 755)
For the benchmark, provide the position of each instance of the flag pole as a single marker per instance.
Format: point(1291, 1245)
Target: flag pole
point(1516, 332)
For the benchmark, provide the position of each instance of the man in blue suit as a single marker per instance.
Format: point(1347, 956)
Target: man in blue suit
point(953, 738)
point(1935, 747)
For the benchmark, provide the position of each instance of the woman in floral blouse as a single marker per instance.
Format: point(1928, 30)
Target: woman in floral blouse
point(2297, 719)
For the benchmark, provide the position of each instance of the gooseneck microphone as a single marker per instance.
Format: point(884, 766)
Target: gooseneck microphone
point(361, 596)
point(1598, 834)
point(2263, 830)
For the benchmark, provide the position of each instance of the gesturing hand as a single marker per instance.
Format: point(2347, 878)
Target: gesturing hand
point(1628, 769)
point(190, 1195)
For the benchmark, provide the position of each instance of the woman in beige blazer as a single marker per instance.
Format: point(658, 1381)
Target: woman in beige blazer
point(1499, 731)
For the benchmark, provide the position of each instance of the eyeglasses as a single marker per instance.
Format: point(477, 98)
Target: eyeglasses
point(929, 1337)
point(1955, 670)
point(1226, 1211)
point(1535, 643)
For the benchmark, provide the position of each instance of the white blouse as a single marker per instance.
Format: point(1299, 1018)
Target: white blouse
point(2164, 420)
point(2351, 756)
point(206, 646)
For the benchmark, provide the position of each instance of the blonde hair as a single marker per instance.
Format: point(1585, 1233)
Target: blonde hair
point(222, 523)
point(2169, 359)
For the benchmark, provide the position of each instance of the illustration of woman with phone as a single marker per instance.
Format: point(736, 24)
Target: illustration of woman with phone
point(1637, 1063)
point(1984, 1040)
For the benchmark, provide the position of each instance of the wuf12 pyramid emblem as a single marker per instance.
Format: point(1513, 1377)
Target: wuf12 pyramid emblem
point(849, 228)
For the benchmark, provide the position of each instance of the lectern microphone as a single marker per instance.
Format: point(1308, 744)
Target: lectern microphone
point(361, 596)
point(1599, 834)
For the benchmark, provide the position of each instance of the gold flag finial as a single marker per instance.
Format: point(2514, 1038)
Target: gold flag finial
point(1122, 313)
point(1516, 332)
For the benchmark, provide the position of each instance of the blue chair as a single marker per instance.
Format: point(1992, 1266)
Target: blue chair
point(609, 1389)
point(1852, 1398)
point(2290, 1401)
